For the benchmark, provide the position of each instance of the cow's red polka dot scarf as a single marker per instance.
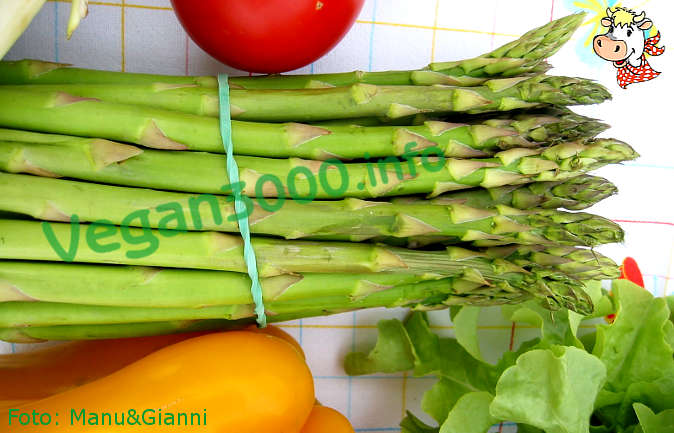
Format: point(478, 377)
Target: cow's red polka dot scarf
point(629, 74)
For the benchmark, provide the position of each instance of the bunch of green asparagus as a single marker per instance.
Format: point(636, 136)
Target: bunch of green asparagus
point(448, 185)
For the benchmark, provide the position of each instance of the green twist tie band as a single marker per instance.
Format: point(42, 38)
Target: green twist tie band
point(239, 205)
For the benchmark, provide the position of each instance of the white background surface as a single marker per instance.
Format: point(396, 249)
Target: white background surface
point(144, 36)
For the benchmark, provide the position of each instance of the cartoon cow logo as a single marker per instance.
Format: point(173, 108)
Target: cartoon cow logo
point(625, 45)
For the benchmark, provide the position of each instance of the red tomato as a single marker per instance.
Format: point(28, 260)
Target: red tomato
point(267, 36)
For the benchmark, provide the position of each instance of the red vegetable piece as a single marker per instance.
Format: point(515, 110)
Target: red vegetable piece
point(630, 271)
point(268, 36)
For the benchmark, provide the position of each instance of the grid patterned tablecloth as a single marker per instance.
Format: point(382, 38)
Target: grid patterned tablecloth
point(144, 36)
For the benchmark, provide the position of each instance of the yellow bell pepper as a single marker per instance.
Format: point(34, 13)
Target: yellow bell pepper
point(43, 372)
point(326, 420)
point(234, 382)
point(37, 374)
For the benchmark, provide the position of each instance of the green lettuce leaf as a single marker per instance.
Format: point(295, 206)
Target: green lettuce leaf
point(658, 396)
point(445, 357)
point(649, 422)
point(470, 414)
point(608, 398)
point(588, 340)
point(633, 348)
point(552, 389)
point(458, 365)
point(598, 429)
point(412, 424)
point(602, 301)
point(426, 344)
point(465, 328)
point(608, 415)
point(392, 353)
point(441, 398)
point(510, 358)
point(557, 327)
point(669, 333)
point(549, 384)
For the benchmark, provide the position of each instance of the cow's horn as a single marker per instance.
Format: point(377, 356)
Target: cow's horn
point(609, 12)
point(640, 18)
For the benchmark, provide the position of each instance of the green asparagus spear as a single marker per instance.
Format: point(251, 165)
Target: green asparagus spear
point(350, 219)
point(40, 334)
point(591, 229)
point(100, 243)
point(524, 55)
point(304, 105)
point(32, 137)
point(29, 71)
point(120, 164)
point(581, 263)
point(36, 334)
point(539, 126)
point(322, 142)
point(137, 286)
point(577, 193)
point(561, 292)
point(424, 295)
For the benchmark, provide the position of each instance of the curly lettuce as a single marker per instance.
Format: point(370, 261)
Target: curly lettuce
point(619, 378)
